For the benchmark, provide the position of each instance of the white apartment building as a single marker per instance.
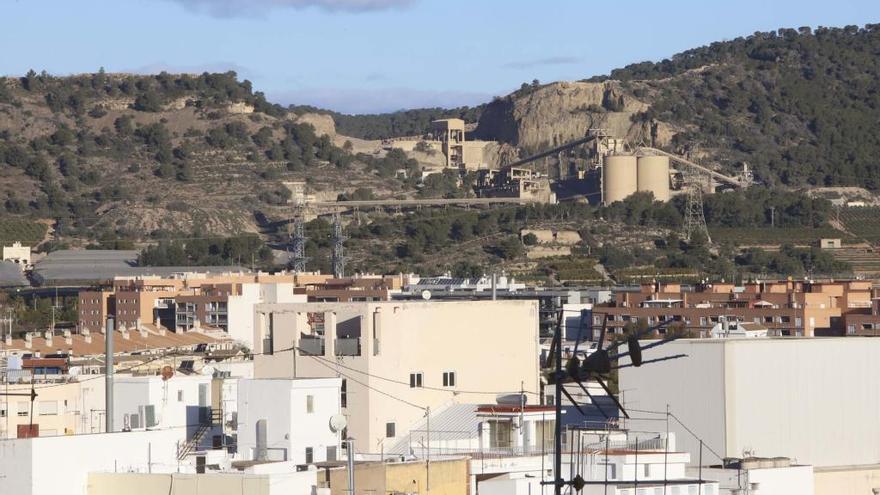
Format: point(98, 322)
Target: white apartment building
point(150, 402)
point(399, 358)
point(288, 419)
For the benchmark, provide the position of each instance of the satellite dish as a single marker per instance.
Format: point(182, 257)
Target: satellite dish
point(167, 373)
point(426, 295)
point(338, 422)
point(208, 371)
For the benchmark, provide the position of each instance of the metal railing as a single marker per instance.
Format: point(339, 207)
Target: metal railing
point(348, 347)
point(311, 346)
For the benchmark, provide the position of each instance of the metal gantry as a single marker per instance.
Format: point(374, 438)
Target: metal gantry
point(298, 240)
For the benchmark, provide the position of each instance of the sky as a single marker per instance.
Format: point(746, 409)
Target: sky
point(365, 56)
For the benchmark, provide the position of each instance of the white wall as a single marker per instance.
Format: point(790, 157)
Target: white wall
point(693, 387)
point(812, 399)
point(793, 480)
point(283, 404)
point(172, 409)
point(60, 465)
point(241, 307)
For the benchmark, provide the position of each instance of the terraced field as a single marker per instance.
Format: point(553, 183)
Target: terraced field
point(775, 236)
point(27, 232)
point(862, 222)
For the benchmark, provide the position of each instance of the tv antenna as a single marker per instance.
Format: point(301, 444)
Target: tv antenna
point(596, 366)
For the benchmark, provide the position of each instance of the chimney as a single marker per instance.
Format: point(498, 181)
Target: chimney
point(68, 338)
point(7, 339)
point(37, 354)
point(87, 337)
point(28, 340)
point(48, 336)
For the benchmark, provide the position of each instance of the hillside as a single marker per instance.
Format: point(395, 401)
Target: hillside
point(800, 106)
point(115, 156)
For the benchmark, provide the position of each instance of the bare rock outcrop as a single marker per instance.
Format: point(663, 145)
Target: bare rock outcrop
point(559, 112)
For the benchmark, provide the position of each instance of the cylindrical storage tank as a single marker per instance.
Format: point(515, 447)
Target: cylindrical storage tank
point(620, 177)
point(653, 175)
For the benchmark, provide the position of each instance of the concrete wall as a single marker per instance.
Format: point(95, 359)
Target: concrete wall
point(290, 427)
point(814, 400)
point(55, 465)
point(851, 480)
point(400, 338)
point(296, 483)
point(793, 480)
point(175, 401)
point(447, 477)
point(241, 307)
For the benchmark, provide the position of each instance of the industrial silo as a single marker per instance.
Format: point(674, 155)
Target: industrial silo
point(653, 175)
point(619, 178)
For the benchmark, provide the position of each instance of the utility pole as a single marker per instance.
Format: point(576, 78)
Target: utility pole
point(772, 217)
point(108, 375)
point(350, 447)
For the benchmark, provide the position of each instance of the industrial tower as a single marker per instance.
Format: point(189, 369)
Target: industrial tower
point(694, 218)
point(297, 253)
point(339, 239)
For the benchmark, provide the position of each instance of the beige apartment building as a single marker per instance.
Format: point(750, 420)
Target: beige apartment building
point(59, 409)
point(788, 307)
point(399, 358)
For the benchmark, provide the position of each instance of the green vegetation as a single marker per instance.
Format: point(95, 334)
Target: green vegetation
point(27, 232)
point(862, 222)
point(198, 250)
point(798, 105)
point(414, 122)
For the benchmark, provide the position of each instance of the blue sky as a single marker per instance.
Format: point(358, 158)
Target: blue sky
point(362, 56)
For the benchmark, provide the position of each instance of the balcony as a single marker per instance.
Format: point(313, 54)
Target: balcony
point(311, 346)
point(348, 347)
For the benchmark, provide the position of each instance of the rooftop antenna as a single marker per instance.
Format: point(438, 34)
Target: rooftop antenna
point(597, 366)
point(339, 239)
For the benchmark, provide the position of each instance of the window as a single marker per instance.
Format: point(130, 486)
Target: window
point(48, 408)
point(415, 380)
point(499, 434)
point(180, 396)
point(310, 455)
point(270, 336)
point(850, 329)
point(448, 378)
point(3, 412)
point(389, 430)
point(647, 471)
point(310, 404)
point(24, 408)
point(343, 394)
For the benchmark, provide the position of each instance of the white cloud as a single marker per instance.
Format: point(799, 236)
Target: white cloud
point(359, 101)
point(257, 8)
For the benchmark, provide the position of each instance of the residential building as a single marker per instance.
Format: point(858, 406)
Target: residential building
point(797, 308)
point(288, 420)
point(181, 402)
point(59, 408)
point(399, 358)
point(62, 464)
point(765, 397)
